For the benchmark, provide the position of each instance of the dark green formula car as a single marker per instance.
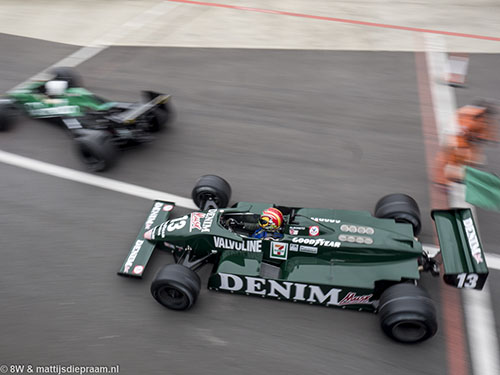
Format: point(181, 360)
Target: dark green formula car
point(98, 126)
point(339, 258)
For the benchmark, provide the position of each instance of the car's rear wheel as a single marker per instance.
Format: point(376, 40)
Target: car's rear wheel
point(211, 187)
point(407, 313)
point(400, 207)
point(96, 150)
point(159, 118)
point(70, 75)
point(176, 287)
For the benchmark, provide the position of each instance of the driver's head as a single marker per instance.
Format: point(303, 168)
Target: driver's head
point(271, 219)
point(56, 88)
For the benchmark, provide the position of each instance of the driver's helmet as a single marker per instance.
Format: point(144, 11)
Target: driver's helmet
point(55, 88)
point(271, 219)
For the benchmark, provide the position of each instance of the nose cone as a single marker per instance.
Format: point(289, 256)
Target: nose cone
point(149, 234)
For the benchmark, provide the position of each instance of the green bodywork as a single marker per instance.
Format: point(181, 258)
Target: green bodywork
point(74, 103)
point(329, 257)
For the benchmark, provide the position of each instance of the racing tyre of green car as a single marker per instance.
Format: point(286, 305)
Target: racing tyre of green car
point(211, 187)
point(407, 313)
point(159, 119)
point(96, 150)
point(176, 286)
point(7, 116)
point(400, 207)
point(67, 74)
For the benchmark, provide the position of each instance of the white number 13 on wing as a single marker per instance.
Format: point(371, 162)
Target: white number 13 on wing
point(467, 280)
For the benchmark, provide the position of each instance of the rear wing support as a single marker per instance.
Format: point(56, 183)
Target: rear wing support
point(142, 249)
point(461, 250)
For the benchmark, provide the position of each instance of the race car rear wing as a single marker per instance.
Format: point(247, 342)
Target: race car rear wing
point(141, 250)
point(461, 250)
point(131, 115)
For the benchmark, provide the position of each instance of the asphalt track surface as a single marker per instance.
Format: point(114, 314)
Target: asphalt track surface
point(313, 128)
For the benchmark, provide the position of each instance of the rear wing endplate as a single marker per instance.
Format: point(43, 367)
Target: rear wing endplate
point(141, 250)
point(461, 250)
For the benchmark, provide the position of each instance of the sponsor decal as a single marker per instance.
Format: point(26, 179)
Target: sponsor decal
point(279, 250)
point(473, 240)
point(196, 221)
point(168, 207)
point(315, 241)
point(289, 290)
point(153, 215)
point(352, 299)
point(254, 246)
point(209, 218)
point(314, 231)
point(308, 249)
point(294, 247)
point(133, 254)
point(357, 229)
point(54, 111)
point(294, 231)
point(138, 270)
point(325, 220)
point(357, 239)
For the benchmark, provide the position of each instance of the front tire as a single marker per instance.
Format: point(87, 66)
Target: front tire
point(7, 115)
point(407, 314)
point(211, 187)
point(176, 287)
point(400, 207)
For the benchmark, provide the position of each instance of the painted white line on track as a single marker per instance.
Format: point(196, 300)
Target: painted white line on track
point(479, 317)
point(109, 38)
point(90, 179)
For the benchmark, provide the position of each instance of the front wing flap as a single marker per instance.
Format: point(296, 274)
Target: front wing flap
point(141, 250)
point(461, 250)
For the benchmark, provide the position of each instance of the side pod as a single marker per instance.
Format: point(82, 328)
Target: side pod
point(461, 249)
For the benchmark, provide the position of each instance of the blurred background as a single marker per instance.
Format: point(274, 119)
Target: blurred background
point(306, 103)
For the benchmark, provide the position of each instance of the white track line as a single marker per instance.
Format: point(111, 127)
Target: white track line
point(90, 179)
point(480, 320)
point(109, 38)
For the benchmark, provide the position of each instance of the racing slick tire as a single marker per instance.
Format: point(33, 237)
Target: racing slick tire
point(67, 74)
point(159, 119)
point(7, 115)
point(407, 313)
point(400, 207)
point(96, 150)
point(211, 187)
point(176, 287)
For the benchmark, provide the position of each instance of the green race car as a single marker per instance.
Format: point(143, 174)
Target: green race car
point(98, 126)
point(338, 258)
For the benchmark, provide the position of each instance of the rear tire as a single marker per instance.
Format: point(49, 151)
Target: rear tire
point(400, 207)
point(96, 150)
point(211, 187)
point(407, 314)
point(67, 74)
point(159, 119)
point(176, 287)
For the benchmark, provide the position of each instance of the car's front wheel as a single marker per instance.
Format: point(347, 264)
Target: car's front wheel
point(7, 115)
point(176, 286)
point(407, 313)
point(211, 187)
